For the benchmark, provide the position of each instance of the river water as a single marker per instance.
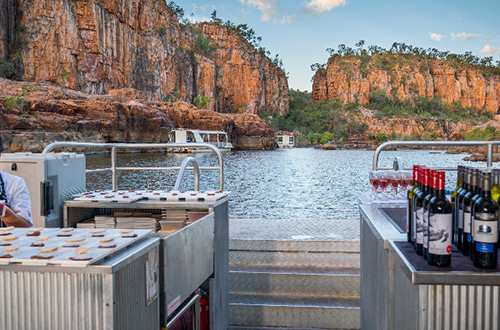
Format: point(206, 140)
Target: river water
point(280, 184)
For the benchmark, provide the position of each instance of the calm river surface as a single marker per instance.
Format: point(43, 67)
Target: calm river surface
point(280, 184)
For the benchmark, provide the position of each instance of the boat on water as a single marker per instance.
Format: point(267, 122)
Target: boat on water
point(215, 138)
point(285, 139)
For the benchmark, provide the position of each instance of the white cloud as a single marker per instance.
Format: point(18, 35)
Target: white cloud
point(436, 36)
point(288, 19)
point(317, 7)
point(490, 50)
point(464, 36)
point(267, 7)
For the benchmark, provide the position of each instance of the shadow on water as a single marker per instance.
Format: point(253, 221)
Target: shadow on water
point(279, 184)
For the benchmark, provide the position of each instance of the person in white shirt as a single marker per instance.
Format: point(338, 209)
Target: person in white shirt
point(14, 192)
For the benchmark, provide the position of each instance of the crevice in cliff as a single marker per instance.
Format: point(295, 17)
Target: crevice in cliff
point(10, 41)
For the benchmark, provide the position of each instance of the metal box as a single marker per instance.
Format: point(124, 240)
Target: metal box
point(186, 261)
point(51, 179)
point(112, 294)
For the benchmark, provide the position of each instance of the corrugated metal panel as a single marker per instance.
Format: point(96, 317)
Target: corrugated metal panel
point(131, 310)
point(462, 307)
point(44, 300)
point(444, 307)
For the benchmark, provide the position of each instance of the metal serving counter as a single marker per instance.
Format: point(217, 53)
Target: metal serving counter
point(376, 266)
point(399, 290)
point(191, 257)
point(112, 294)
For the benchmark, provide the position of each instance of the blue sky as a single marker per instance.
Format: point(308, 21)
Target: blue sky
point(301, 30)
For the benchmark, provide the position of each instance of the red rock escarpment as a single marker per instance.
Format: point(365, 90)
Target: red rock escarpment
point(106, 44)
point(405, 76)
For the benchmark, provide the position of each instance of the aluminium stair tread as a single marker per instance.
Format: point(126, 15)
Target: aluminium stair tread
point(297, 302)
point(271, 328)
point(294, 270)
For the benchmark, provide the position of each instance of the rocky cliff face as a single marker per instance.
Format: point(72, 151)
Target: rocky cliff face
point(95, 46)
point(50, 114)
point(351, 79)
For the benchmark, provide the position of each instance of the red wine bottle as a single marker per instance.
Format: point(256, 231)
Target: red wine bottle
point(419, 210)
point(414, 206)
point(440, 228)
point(427, 200)
point(485, 229)
point(467, 212)
point(460, 206)
point(409, 211)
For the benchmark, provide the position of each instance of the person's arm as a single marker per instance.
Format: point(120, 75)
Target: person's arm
point(12, 219)
point(19, 212)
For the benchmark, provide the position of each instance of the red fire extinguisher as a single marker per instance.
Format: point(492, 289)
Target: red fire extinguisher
point(204, 314)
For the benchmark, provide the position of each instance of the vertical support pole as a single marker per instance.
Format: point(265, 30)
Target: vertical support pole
point(113, 167)
point(490, 155)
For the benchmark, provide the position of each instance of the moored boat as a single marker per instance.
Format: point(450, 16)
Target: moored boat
point(216, 138)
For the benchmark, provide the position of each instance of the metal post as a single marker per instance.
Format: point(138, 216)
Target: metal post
point(490, 155)
point(113, 168)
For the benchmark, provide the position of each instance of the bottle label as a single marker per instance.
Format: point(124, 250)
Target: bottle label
point(420, 225)
point(484, 247)
point(414, 226)
point(466, 222)
point(460, 219)
point(408, 217)
point(440, 232)
point(425, 220)
point(485, 231)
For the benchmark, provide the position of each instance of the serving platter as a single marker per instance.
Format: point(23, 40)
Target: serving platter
point(130, 196)
point(60, 245)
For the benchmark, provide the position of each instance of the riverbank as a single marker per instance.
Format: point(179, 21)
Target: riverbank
point(33, 115)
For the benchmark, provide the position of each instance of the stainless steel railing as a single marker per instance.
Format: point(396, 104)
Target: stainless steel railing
point(488, 144)
point(115, 146)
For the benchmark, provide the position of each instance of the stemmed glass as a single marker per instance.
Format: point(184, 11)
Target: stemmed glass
point(405, 179)
point(374, 181)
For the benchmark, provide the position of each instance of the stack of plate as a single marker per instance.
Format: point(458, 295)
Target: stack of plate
point(174, 215)
point(104, 221)
point(146, 223)
point(86, 224)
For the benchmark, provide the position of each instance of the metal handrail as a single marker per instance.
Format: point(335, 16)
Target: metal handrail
point(384, 145)
point(180, 176)
point(115, 146)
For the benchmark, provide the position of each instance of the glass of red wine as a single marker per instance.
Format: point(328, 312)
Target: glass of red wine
point(380, 183)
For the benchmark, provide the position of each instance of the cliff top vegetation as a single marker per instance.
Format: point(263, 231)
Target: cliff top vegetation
point(484, 64)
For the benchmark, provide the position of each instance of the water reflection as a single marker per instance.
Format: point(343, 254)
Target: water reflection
point(281, 184)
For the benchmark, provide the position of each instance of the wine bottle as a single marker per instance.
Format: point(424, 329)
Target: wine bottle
point(440, 226)
point(454, 196)
point(419, 209)
point(414, 206)
point(495, 187)
point(467, 211)
point(460, 205)
point(427, 199)
point(409, 212)
point(485, 229)
point(472, 206)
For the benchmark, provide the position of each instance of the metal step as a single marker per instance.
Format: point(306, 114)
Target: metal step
point(295, 259)
point(293, 312)
point(300, 282)
point(238, 244)
point(273, 328)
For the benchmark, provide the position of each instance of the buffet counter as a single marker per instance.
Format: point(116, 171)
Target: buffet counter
point(399, 290)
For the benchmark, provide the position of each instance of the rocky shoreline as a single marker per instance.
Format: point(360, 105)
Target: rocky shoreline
point(47, 113)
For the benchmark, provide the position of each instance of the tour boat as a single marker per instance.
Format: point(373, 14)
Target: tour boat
point(216, 138)
point(285, 139)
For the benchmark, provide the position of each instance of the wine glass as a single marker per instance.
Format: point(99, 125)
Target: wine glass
point(374, 181)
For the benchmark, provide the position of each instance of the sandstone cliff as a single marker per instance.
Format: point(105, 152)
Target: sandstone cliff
point(53, 114)
point(351, 79)
point(94, 46)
